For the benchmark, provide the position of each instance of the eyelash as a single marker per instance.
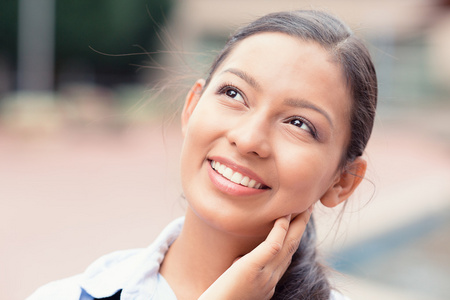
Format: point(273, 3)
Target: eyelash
point(312, 129)
point(229, 86)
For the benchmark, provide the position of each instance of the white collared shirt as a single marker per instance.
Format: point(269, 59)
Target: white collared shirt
point(135, 272)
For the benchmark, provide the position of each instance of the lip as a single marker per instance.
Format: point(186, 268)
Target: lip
point(228, 187)
point(237, 168)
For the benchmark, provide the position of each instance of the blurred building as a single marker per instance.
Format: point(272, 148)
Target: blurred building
point(409, 39)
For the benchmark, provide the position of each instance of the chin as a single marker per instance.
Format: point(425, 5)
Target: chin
point(242, 226)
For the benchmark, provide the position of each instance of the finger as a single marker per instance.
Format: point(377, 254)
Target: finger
point(236, 259)
point(298, 225)
point(272, 245)
point(279, 231)
point(292, 241)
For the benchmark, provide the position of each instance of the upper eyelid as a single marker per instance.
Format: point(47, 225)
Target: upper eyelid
point(307, 122)
point(222, 88)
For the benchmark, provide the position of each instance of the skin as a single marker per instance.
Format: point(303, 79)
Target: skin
point(256, 274)
point(278, 107)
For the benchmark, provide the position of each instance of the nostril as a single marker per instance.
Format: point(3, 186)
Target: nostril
point(249, 142)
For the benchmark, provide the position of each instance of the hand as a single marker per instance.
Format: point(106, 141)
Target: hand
point(255, 275)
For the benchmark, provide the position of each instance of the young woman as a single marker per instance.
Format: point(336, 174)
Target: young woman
point(280, 122)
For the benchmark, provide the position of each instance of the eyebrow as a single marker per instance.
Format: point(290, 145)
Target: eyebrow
point(303, 103)
point(245, 76)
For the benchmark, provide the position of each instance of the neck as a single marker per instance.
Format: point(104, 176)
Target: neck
point(200, 255)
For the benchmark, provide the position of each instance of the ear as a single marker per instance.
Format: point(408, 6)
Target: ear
point(345, 183)
point(191, 102)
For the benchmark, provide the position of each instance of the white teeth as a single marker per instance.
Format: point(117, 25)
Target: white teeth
point(252, 183)
point(235, 177)
point(221, 169)
point(228, 173)
point(245, 181)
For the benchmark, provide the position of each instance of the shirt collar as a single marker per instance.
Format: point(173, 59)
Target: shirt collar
point(132, 271)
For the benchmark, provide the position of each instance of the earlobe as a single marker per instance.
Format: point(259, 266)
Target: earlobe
point(191, 102)
point(345, 183)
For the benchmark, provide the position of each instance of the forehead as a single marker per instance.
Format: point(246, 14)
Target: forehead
point(286, 67)
point(289, 63)
point(279, 52)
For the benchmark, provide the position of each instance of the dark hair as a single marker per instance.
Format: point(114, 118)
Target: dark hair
point(305, 278)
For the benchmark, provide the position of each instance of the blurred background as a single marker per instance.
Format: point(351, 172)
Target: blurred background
point(89, 136)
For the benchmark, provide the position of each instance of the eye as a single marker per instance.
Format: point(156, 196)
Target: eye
point(300, 124)
point(232, 93)
point(304, 125)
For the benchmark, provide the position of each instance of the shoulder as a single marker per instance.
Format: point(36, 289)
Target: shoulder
point(68, 288)
point(71, 288)
point(335, 295)
point(128, 269)
point(110, 260)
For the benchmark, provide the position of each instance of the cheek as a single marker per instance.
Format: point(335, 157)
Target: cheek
point(204, 123)
point(304, 176)
point(197, 129)
point(200, 134)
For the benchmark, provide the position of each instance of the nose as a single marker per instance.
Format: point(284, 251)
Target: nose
point(251, 136)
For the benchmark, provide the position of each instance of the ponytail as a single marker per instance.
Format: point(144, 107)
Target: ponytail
point(305, 278)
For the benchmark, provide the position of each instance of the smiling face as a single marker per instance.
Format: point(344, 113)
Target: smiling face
point(265, 138)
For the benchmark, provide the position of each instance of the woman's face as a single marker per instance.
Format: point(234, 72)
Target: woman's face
point(265, 138)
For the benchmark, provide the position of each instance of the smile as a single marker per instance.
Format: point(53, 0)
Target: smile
point(236, 177)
